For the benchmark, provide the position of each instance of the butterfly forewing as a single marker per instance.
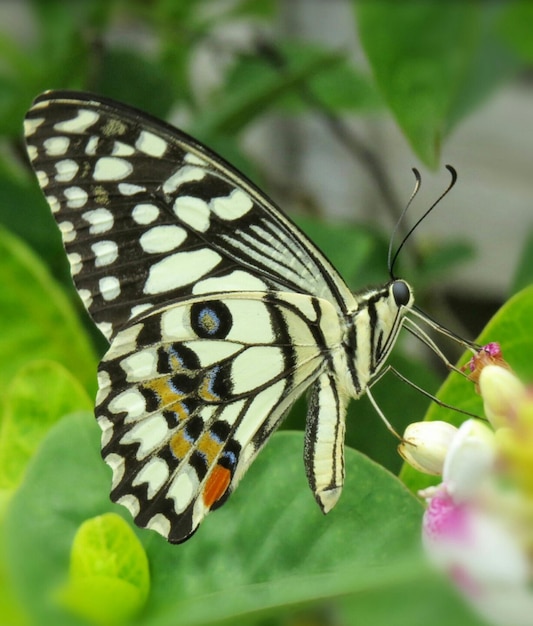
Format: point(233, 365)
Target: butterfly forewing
point(149, 215)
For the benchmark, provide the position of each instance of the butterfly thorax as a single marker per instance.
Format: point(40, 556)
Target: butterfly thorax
point(371, 332)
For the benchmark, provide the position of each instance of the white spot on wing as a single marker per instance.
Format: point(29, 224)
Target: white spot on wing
point(104, 386)
point(124, 342)
point(256, 366)
point(155, 474)
point(193, 159)
point(112, 168)
point(172, 324)
point(185, 174)
point(140, 365)
point(162, 239)
point(56, 146)
point(160, 524)
point(109, 287)
point(116, 463)
point(251, 321)
point(75, 263)
point(151, 144)
point(192, 211)
point(182, 489)
point(150, 432)
point(139, 308)
point(86, 297)
point(237, 280)
point(122, 149)
point(30, 126)
point(131, 402)
point(180, 269)
point(32, 152)
point(105, 252)
point(261, 406)
point(128, 189)
point(42, 177)
point(54, 203)
point(76, 197)
point(92, 144)
point(233, 206)
point(131, 503)
point(67, 231)
point(212, 351)
point(101, 220)
point(79, 124)
point(106, 426)
point(145, 213)
point(106, 328)
point(66, 170)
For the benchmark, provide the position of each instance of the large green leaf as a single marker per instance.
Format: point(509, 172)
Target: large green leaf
point(269, 549)
point(37, 320)
point(420, 53)
point(511, 327)
point(269, 546)
point(39, 395)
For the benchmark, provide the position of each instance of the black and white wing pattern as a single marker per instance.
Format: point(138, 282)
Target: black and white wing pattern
point(190, 392)
point(219, 311)
point(148, 214)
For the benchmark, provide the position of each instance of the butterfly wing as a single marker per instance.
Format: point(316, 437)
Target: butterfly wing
point(148, 214)
point(190, 392)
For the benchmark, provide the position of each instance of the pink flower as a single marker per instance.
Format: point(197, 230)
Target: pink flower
point(478, 524)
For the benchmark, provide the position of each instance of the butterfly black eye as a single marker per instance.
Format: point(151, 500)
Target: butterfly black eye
point(401, 292)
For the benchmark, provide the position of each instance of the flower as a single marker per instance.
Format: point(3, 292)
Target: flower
point(478, 524)
point(425, 444)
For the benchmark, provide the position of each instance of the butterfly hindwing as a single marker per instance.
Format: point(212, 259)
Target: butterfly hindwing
point(190, 392)
point(148, 214)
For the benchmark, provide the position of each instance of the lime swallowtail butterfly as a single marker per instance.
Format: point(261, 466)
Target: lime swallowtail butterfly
point(218, 309)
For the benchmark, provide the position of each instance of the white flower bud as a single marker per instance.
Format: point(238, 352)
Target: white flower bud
point(425, 445)
point(501, 391)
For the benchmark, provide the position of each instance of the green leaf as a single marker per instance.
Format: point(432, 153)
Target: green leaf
point(340, 86)
point(441, 260)
point(420, 53)
point(130, 77)
point(39, 395)
point(232, 110)
point(41, 231)
point(511, 328)
point(516, 27)
point(36, 318)
point(268, 548)
point(109, 578)
point(524, 272)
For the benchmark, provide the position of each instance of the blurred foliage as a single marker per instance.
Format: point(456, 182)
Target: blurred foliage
point(269, 556)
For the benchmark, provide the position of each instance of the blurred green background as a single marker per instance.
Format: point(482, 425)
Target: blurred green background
point(326, 106)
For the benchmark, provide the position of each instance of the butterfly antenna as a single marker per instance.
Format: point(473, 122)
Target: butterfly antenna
point(453, 180)
point(390, 265)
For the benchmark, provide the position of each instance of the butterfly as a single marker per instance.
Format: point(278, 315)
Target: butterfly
point(219, 311)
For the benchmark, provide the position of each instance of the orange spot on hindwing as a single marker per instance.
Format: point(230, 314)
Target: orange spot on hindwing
point(216, 485)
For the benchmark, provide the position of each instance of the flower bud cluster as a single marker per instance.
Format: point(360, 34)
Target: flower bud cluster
point(478, 524)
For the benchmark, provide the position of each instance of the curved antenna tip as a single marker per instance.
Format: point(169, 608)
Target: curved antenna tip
point(453, 173)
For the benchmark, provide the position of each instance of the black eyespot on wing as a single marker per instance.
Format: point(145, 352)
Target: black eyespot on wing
point(401, 292)
point(211, 320)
